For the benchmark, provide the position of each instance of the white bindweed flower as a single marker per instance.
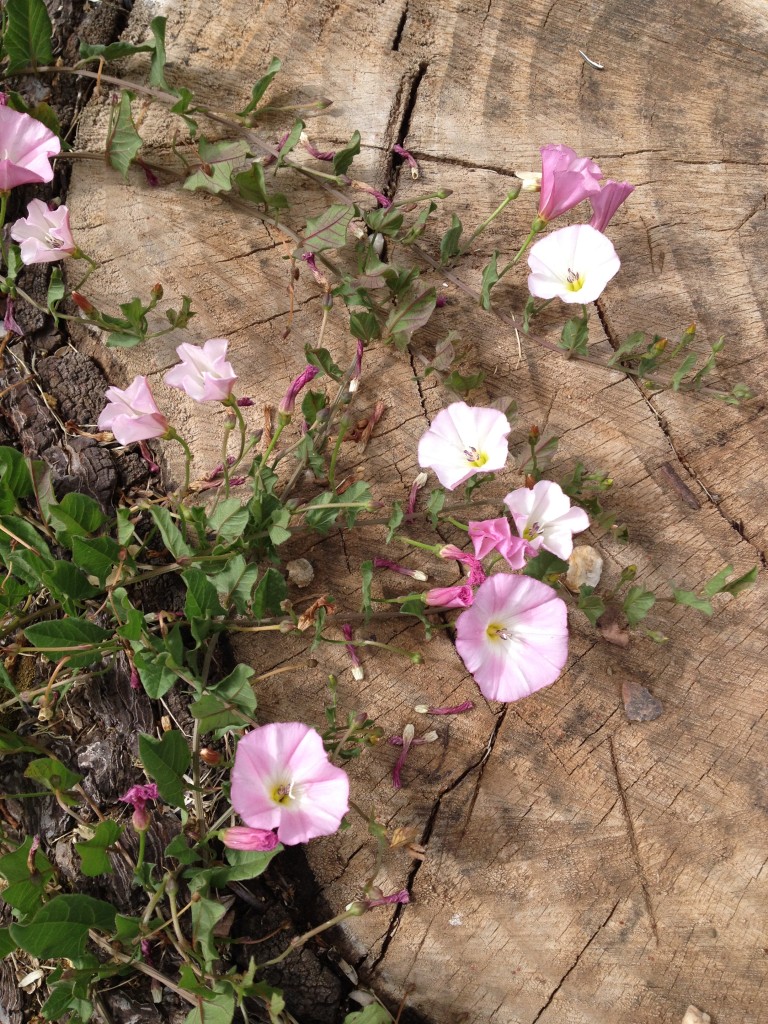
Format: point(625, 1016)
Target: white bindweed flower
point(573, 264)
point(463, 441)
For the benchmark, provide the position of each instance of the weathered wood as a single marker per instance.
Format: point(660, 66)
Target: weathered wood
point(580, 867)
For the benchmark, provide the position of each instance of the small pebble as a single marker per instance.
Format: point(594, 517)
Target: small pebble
point(585, 567)
point(694, 1016)
point(300, 572)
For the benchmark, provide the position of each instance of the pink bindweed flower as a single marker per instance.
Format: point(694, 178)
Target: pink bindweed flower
point(132, 414)
point(203, 373)
point(288, 401)
point(476, 571)
point(137, 797)
point(26, 147)
point(573, 264)
point(607, 201)
point(489, 535)
point(450, 597)
point(566, 180)
point(282, 779)
point(44, 234)
point(240, 838)
point(402, 570)
point(463, 441)
point(544, 517)
point(514, 638)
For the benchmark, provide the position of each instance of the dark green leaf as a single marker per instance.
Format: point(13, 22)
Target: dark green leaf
point(52, 774)
point(637, 603)
point(60, 927)
point(118, 339)
point(15, 479)
point(628, 347)
point(416, 230)
point(94, 859)
point(7, 944)
point(14, 867)
point(68, 584)
point(215, 709)
point(329, 230)
point(490, 278)
point(76, 639)
point(449, 243)
point(270, 592)
point(575, 336)
point(462, 385)
point(345, 156)
point(364, 326)
point(165, 761)
point(228, 520)
point(261, 86)
point(28, 34)
point(156, 676)
point(125, 142)
point(311, 404)
point(545, 567)
point(321, 358)
point(589, 603)
point(718, 581)
point(205, 914)
point(96, 556)
point(234, 583)
point(685, 367)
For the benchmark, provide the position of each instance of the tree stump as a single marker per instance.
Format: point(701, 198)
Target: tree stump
point(580, 867)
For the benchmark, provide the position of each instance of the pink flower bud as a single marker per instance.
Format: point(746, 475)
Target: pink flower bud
point(450, 597)
point(288, 401)
point(242, 838)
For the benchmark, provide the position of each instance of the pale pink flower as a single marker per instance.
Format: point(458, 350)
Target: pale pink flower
point(544, 517)
point(566, 179)
point(607, 201)
point(44, 234)
point(239, 838)
point(463, 441)
point(450, 597)
point(573, 264)
point(489, 535)
point(514, 638)
point(132, 414)
point(203, 373)
point(26, 147)
point(282, 779)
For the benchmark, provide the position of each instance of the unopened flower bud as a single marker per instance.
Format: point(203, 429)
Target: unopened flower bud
point(157, 292)
point(212, 757)
point(85, 304)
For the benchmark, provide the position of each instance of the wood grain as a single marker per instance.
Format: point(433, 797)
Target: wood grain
point(581, 869)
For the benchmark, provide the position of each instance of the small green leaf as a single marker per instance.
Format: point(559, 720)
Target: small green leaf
point(94, 859)
point(261, 86)
point(234, 583)
point(60, 927)
point(574, 336)
point(219, 160)
point(252, 184)
point(68, 584)
point(416, 230)
point(165, 761)
point(15, 479)
point(344, 157)
point(394, 521)
point(373, 1013)
point(545, 567)
point(83, 510)
point(157, 67)
point(28, 34)
point(692, 600)
point(685, 367)
point(637, 603)
point(366, 576)
point(228, 520)
point(214, 710)
point(329, 230)
point(52, 774)
point(449, 243)
point(169, 531)
point(112, 51)
point(269, 594)
point(96, 556)
point(490, 278)
point(76, 639)
point(125, 142)
point(321, 358)
point(290, 143)
point(744, 582)
point(435, 504)
point(218, 1009)
point(364, 326)
point(411, 313)
point(205, 914)
point(718, 581)
point(202, 603)
point(589, 603)
point(55, 291)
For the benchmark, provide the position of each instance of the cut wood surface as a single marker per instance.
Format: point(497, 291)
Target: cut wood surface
point(580, 868)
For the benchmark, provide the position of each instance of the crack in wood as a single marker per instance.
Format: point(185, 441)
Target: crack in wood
point(575, 963)
point(400, 29)
point(632, 842)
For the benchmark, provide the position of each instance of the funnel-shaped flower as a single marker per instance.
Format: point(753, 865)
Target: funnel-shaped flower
point(203, 373)
point(566, 179)
point(514, 638)
point(573, 264)
point(132, 414)
point(44, 234)
point(544, 517)
point(282, 779)
point(26, 147)
point(607, 201)
point(463, 441)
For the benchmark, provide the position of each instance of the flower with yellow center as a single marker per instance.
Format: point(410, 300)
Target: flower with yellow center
point(463, 441)
point(573, 264)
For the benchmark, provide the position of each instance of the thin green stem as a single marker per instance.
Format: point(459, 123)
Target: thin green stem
point(489, 220)
point(535, 229)
point(142, 849)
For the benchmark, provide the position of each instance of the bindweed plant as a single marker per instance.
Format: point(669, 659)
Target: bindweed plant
point(74, 570)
